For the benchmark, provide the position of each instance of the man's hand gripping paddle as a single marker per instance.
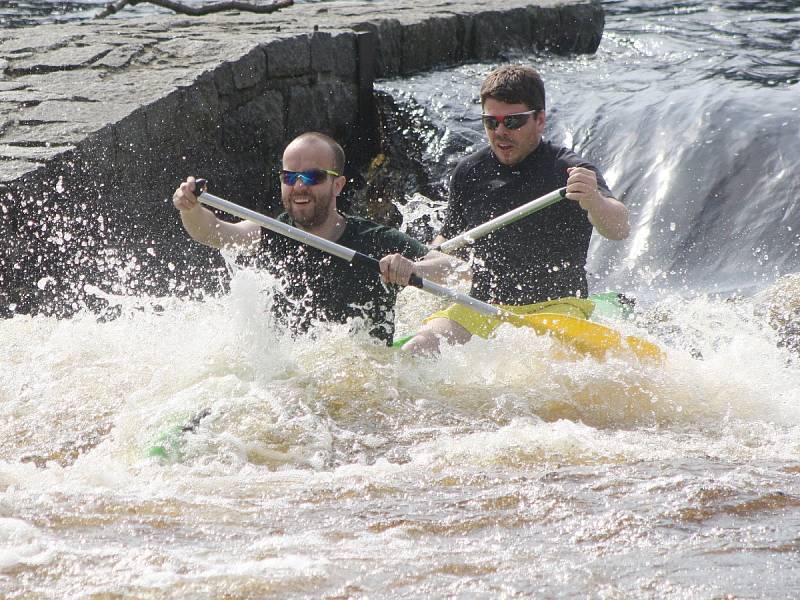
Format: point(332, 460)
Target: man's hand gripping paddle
point(585, 336)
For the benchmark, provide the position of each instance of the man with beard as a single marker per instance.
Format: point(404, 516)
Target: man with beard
point(315, 286)
point(536, 264)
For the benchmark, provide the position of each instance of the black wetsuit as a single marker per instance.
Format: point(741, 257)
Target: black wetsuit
point(540, 257)
point(318, 287)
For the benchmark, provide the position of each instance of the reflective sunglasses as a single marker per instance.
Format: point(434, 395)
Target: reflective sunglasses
point(310, 177)
point(513, 121)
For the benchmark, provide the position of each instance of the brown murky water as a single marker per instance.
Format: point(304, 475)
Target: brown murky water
point(334, 468)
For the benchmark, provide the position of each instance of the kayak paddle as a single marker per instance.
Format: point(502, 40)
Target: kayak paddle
point(583, 335)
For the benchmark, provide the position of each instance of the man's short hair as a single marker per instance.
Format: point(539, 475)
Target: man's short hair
point(514, 84)
point(336, 149)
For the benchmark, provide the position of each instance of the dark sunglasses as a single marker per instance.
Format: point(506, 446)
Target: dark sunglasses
point(310, 177)
point(513, 121)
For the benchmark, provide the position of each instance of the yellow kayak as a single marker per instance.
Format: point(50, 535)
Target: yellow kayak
point(587, 336)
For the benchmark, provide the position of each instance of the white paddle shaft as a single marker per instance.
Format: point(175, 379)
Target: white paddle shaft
point(468, 237)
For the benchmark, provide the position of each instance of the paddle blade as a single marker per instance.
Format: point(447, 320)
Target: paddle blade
point(587, 336)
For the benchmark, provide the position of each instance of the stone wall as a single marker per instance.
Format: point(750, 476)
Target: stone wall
point(99, 122)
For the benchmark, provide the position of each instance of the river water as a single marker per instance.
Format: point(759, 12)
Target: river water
point(334, 468)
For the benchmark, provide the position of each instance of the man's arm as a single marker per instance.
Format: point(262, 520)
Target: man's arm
point(438, 240)
point(203, 225)
point(434, 266)
point(608, 215)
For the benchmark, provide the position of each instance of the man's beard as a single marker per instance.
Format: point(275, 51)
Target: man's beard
point(310, 215)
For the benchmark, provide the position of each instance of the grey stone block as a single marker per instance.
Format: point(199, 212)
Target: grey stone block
point(258, 123)
point(345, 64)
point(431, 42)
point(289, 57)
point(389, 33)
point(251, 70)
point(307, 110)
point(499, 31)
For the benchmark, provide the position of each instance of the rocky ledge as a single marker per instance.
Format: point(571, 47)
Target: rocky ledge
point(99, 120)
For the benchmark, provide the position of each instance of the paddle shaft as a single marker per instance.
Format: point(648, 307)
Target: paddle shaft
point(468, 237)
point(351, 256)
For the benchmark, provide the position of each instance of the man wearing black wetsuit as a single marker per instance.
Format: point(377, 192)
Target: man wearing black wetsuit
point(315, 286)
point(538, 259)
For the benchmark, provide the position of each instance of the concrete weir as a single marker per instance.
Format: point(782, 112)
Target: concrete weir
point(100, 120)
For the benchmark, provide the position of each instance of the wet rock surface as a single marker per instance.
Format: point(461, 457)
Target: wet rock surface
point(100, 120)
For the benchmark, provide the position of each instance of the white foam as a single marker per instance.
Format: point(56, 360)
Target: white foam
point(21, 544)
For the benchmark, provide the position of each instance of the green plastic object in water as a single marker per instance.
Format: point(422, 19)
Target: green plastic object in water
point(169, 444)
point(612, 305)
